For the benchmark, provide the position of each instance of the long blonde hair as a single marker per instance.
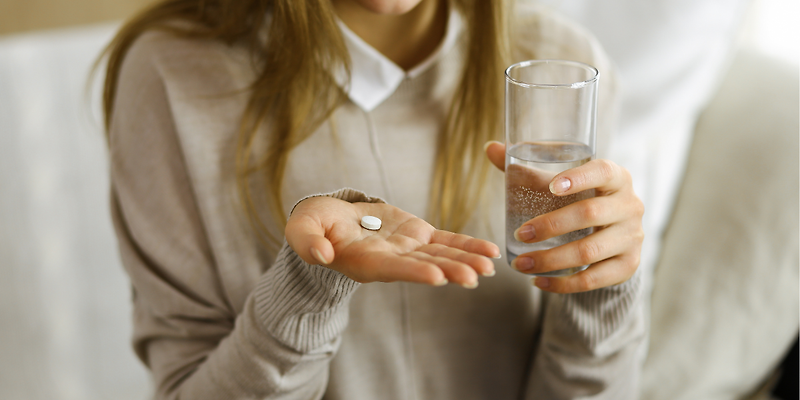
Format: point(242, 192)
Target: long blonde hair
point(294, 91)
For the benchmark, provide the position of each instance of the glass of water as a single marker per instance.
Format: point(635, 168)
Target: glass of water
point(550, 118)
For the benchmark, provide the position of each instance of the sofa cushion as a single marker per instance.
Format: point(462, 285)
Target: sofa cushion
point(725, 299)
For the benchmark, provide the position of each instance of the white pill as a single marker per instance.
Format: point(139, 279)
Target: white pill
point(371, 223)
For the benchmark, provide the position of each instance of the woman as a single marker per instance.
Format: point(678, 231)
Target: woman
point(226, 116)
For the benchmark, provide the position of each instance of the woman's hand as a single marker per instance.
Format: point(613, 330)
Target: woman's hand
point(615, 212)
point(327, 231)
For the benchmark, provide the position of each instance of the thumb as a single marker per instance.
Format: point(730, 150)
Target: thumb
point(306, 236)
point(496, 152)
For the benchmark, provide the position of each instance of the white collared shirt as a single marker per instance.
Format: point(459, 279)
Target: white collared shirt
point(374, 77)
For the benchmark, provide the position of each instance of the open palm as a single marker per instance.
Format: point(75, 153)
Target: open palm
point(327, 231)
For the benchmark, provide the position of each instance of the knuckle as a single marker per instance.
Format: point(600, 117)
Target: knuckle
point(626, 174)
point(638, 208)
point(638, 236)
point(591, 211)
point(588, 251)
point(586, 281)
point(634, 263)
point(551, 226)
point(606, 168)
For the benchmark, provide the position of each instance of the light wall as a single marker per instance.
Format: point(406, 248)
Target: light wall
point(30, 15)
point(774, 30)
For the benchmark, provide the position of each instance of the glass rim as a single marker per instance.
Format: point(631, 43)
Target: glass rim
point(574, 85)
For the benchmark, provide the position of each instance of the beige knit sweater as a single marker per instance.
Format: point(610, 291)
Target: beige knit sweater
point(219, 316)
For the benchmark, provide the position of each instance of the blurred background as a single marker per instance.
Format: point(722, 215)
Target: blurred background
point(64, 298)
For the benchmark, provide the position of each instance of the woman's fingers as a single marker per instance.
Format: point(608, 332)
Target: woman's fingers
point(464, 267)
point(603, 244)
point(496, 152)
point(466, 243)
point(596, 211)
point(431, 264)
point(454, 271)
point(615, 212)
point(386, 266)
point(612, 251)
point(603, 175)
point(306, 236)
point(610, 272)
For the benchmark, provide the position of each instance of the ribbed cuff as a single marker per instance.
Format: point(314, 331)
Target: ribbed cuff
point(305, 306)
point(347, 194)
point(594, 317)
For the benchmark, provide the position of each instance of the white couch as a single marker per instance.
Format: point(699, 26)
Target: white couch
point(725, 302)
point(725, 298)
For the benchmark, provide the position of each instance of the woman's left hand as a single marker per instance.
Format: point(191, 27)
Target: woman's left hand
point(613, 250)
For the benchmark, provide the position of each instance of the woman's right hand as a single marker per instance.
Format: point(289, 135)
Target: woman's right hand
point(327, 231)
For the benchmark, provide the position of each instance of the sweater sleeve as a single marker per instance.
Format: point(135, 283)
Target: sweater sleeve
point(185, 330)
point(589, 345)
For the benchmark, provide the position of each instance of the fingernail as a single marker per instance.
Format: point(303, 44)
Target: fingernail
point(525, 233)
point(523, 264)
point(471, 285)
point(560, 185)
point(442, 282)
point(498, 256)
point(490, 273)
point(542, 282)
point(318, 256)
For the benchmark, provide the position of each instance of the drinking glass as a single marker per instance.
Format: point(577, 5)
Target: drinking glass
point(550, 118)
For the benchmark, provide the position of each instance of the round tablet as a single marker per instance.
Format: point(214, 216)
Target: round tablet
point(371, 223)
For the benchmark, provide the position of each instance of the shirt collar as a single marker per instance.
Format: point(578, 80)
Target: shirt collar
point(374, 77)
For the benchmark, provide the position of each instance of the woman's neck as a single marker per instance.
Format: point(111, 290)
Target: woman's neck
point(406, 38)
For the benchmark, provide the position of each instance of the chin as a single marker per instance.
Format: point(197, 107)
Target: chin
point(389, 7)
